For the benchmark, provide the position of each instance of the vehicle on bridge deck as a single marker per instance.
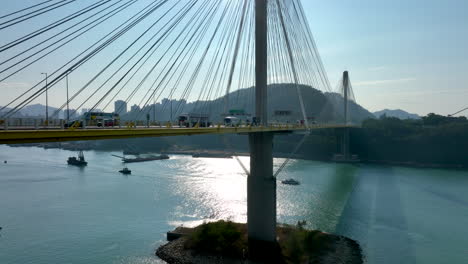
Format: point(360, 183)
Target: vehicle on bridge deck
point(192, 119)
point(231, 121)
point(101, 119)
point(107, 123)
point(80, 161)
point(74, 123)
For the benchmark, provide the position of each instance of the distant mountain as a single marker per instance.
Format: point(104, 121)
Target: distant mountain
point(398, 113)
point(356, 112)
point(35, 110)
point(4, 110)
point(323, 107)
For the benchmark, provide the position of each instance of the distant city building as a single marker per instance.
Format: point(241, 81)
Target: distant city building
point(135, 108)
point(120, 107)
point(73, 114)
point(167, 101)
point(86, 110)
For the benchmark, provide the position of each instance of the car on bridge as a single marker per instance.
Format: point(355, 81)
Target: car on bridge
point(74, 123)
point(107, 123)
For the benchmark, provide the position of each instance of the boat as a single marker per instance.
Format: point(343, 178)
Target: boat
point(125, 171)
point(340, 158)
point(212, 155)
point(149, 158)
point(142, 159)
point(290, 182)
point(80, 161)
point(131, 152)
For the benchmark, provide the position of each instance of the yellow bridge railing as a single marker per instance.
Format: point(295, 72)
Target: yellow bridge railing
point(13, 135)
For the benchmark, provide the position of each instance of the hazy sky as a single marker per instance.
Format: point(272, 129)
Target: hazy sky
point(408, 54)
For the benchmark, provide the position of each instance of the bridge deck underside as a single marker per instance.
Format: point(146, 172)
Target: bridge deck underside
point(58, 135)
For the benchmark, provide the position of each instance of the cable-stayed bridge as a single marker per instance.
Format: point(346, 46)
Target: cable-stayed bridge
point(87, 54)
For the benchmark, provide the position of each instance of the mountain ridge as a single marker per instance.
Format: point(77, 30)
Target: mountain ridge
point(398, 113)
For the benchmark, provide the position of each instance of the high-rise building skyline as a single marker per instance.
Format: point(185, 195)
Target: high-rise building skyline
point(120, 107)
point(135, 108)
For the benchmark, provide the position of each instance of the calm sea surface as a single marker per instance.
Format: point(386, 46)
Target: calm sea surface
point(54, 213)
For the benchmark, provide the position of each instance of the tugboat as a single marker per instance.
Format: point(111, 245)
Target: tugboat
point(80, 161)
point(290, 182)
point(125, 171)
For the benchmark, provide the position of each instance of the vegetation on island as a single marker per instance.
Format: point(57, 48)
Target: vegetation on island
point(295, 243)
point(219, 238)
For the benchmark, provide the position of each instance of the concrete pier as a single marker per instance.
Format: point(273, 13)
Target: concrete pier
point(261, 190)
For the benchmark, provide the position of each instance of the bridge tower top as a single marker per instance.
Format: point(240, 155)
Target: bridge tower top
point(261, 61)
point(346, 92)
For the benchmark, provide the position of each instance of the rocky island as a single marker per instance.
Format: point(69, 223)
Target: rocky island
point(226, 242)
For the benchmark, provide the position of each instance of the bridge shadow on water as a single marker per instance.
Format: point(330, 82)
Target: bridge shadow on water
point(374, 216)
point(333, 194)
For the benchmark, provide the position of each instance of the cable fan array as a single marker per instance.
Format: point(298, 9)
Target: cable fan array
point(141, 51)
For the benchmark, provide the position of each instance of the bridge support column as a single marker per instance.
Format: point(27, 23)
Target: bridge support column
point(261, 195)
point(261, 186)
point(345, 144)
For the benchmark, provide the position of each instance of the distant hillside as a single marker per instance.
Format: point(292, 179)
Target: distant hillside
point(398, 113)
point(35, 110)
point(356, 112)
point(324, 107)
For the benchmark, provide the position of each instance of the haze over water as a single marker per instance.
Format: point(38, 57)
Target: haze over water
point(54, 213)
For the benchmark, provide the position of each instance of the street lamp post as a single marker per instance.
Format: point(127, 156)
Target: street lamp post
point(170, 98)
point(68, 108)
point(154, 110)
point(47, 99)
point(154, 105)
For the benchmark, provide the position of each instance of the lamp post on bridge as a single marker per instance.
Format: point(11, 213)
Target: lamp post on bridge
point(154, 110)
point(154, 105)
point(68, 108)
point(47, 99)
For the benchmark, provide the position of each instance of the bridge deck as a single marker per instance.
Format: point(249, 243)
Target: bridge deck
point(56, 135)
